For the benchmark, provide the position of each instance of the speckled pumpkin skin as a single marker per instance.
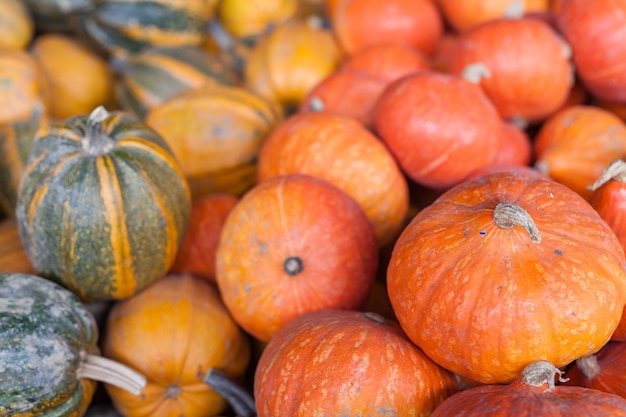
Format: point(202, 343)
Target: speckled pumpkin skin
point(43, 330)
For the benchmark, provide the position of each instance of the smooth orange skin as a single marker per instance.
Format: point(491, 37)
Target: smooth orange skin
point(595, 30)
point(361, 23)
point(610, 376)
point(516, 147)
point(344, 153)
point(466, 14)
point(439, 127)
point(196, 254)
point(294, 216)
point(522, 400)
point(485, 301)
point(530, 72)
point(173, 333)
point(335, 362)
point(575, 144)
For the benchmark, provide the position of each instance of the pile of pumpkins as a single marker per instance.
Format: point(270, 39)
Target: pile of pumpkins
point(312, 207)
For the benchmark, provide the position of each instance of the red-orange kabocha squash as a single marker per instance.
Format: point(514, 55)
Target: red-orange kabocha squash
point(358, 24)
point(603, 371)
point(516, 147)
point(174, 332)
point(347, 363)
point(595, 30)
point(293, 244)
point(440, 127)
point(609, 198)
point(522, 64)
point(465, 14)
point(504, 269)
point(575, 144)
point(533, 394)
point(344, 153)
point(196, 254)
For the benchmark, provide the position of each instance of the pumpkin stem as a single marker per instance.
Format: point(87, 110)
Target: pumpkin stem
point(240, 401)
point(616, 171)
point(375, 317)
point(316, 104)
point(475, 72)
point(110, 372)
point(541, 372)
point(588, 366)
point(293, 265)
point(95, 141)
point(515, 9)
point(507, 216)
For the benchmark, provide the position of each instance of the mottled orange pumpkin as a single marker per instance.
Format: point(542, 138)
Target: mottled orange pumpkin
point(348, 363)
point(575, 144)
point(504, 269)
point(344, 153)
point(293, 244)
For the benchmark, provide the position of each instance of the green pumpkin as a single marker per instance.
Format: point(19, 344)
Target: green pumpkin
point(103, 205)
point(48, 351)
point(125, 27)
point(16, 141)
point(156, 74)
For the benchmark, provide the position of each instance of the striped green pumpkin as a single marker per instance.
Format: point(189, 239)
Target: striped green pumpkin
point(123, 27)
point(49, 357)
point(102, 206)
point(16, 141)
point(159, 73)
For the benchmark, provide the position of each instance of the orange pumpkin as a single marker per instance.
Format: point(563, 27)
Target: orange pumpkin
point(347, 363)
point(361, 23)
point(80, 80)
point(465, 14)
point(294, 244)
point(608, 197)
point(24, 87)
point(286, 64)
point(522, 65)
point(250, 19)
point(595, 31)
point(344, 153)
point(196, 254)
point(504, 269)
point(219, 140)
point(603, 370)
point(439, 127)
point(534, 393)
point(575, 144)
point(516, 147)
point(174, 332)
point(16, 25)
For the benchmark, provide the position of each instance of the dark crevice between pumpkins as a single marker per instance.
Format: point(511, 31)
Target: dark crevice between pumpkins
point(508, 215)
point(237, 397)
point(293, 265)
point(110, 372)
point(95, 141)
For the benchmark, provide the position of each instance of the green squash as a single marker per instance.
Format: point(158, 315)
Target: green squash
point(124, 27)
point(156, 74)
point(49, 359)
point(103, 205)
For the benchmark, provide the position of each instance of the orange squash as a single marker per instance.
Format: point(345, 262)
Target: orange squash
point(287, 63)
point(174, 332)
point(80, 80)
point(218, 142)
point(522, 64)
point(294, 244)
point(465, 14)
point(575, 144)
point(24, 87)
point(506, 268)
point(516, 147)
point(253, 18)
point(360, 23)
point(341, 151)
point(16, 25)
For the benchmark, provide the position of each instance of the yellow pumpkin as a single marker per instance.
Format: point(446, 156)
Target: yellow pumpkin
point(250, 18)
point(16, 25)
point(80, 80)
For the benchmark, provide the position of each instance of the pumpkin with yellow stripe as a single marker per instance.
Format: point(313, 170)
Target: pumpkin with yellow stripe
point(102, 206)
